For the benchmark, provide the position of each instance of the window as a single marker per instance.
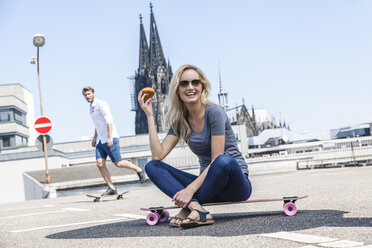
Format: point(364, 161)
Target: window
point(19, 117)
point(20, 141)
point(12, 114)
point(6, 141)
point(4, 115)
point(163, 87)
point(13, 141)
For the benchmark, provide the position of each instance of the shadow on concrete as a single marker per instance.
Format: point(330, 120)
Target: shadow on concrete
point(225, 225)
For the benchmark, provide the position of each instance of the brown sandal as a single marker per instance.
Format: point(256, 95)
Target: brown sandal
point(179, 218)
point(176, 218)
point(194, 223)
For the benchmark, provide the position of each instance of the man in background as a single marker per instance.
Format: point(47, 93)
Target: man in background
point(106, 140)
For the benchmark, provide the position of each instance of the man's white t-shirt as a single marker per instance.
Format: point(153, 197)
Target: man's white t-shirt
point(101, 116)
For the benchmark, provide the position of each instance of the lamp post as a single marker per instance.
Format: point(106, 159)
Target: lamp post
point(39, 41)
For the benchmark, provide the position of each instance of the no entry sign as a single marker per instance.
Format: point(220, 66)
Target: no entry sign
point(43, 125)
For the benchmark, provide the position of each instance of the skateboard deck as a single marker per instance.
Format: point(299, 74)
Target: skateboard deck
point(160, 214)
point(100, 198)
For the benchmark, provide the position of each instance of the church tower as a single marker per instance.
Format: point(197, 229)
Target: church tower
point(153, 71)
point(222, 94)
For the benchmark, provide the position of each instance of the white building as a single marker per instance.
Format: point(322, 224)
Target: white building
point(279, 136)
point(17, 117)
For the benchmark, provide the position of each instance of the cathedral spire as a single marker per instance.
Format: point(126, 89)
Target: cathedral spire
point(253, 114)
point(156, 51)
point(143, 49)
point(222, 95)
point(155, 72)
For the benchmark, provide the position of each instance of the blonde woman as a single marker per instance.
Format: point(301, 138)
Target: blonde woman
point(205, 128)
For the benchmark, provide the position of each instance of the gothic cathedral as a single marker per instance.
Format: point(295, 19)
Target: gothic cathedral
point(153, 71)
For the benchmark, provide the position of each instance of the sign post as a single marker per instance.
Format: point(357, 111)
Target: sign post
point(43, 126)
point(40, 144)
point(39, 41)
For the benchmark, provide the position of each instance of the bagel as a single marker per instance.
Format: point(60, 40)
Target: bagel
point(148, 91)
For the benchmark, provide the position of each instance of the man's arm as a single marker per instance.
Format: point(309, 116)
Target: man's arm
point(94, 138)
point(109, 130)
point(105, 109)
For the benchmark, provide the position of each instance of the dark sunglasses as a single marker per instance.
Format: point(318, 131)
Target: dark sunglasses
point(194, 82)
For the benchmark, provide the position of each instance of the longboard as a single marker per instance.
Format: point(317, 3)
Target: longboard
point(100, 198)
point(160, 214)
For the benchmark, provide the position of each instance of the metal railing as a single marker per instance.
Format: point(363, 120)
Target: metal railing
point(348, 156)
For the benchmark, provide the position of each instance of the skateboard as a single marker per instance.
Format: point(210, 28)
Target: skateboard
point(100, 198)
point(160, 214)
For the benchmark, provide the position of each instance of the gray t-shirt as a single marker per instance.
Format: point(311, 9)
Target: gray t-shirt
point(216, 123)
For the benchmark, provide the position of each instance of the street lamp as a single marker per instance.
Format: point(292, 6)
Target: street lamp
point(39, 41)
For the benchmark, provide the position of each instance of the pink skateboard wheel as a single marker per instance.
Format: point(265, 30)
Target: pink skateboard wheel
point(164, 216)
point(290, 209)
point(152, 219)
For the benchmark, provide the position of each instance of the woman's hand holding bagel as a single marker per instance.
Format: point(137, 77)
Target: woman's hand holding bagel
point(148, 92)
point(145, 100)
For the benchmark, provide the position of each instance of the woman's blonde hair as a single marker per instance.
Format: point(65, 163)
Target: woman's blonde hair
point(176, 116)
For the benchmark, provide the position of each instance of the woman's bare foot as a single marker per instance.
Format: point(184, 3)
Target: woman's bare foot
point(182, 215)
point(194, 215)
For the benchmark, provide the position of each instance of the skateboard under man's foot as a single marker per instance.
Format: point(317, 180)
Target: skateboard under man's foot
point(100, 198)
point(160, 214)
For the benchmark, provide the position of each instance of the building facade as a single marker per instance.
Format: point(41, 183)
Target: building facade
point(153, 71)
point(17, 117)
point(255, 120)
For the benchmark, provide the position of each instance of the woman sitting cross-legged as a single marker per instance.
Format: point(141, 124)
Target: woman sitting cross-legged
point(204, 126)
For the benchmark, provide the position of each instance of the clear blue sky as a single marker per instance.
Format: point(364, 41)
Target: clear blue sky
point(311, 61)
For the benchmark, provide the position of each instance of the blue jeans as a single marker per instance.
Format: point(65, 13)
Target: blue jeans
point(102, 150)
point(225, 180)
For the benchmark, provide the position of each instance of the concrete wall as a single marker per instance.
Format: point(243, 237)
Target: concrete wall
point(241, 133)
point(33, 189)
point(12, 101)
point(12, 127)
point(13, 187)
point(30, 117)
point(273, 166)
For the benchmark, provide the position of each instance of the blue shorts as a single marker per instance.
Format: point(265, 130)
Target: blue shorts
point(102, 150)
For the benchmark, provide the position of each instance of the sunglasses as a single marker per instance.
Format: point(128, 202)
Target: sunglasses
point(186, 83)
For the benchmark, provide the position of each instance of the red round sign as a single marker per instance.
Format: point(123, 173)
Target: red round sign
point(43, 125)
